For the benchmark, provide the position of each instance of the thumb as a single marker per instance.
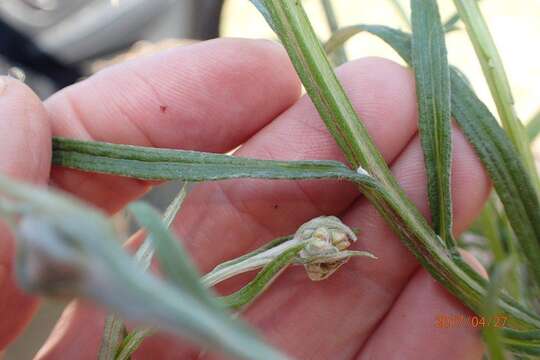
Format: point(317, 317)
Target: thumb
point(25, 154)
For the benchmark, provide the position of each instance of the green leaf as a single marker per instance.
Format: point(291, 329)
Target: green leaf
point(533, 127)
point(514, 188)
point(491, 332)
point(399, 41)
point(230, 263)
point(163, 164)
point(493, 69)
point(522, 342)
point(430, 64)
point(115, 334)
point(146, 250)
point(131, 343)
point(247, 294)
point(66, 248)
point(500, 158)
point(451, 23)
point(174, 263)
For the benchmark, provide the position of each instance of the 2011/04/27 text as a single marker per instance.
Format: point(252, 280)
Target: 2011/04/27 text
point(447, 321)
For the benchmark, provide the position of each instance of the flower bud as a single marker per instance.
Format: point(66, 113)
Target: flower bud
point(326, 237)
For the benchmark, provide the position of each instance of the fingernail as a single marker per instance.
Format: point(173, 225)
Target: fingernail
point(474, 263)
point(17, 73)
point(3, 84)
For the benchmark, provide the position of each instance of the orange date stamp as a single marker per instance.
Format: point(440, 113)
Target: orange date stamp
point(448, 321)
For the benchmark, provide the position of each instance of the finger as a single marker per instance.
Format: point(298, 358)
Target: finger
point(211, 96)
point(437, 325)
point(87, 346)
point(357, 297)
point(24, 155)
point(225, 219)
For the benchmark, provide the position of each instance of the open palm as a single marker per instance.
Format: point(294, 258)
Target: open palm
point(215, 96)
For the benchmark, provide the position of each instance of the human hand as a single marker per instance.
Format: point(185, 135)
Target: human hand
point(213, 97)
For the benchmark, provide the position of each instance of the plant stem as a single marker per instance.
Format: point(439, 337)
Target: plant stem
point(497, 80)
point(327, 94)
point(340, 56)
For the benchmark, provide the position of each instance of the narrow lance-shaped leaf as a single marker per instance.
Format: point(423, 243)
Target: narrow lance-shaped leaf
point(430, 64)
point(514, 187)
point(451, 23)
point(522, 342)
point(113, 335)
point(493, 69)
point(175, 265)
point(163, 164)
point(269, 245)
point(245, 296)
point(132, 341)
point(145, 252)
point(488, 139)
point(172, 258)
point(491, 331)
point(66, 248)
point(116, 341)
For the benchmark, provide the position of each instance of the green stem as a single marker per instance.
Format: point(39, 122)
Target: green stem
point(313, 67)
point(495, 75)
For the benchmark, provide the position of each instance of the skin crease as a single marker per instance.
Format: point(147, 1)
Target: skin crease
point(210, 105)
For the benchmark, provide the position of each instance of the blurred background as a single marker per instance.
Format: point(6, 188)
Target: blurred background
point(54, 43)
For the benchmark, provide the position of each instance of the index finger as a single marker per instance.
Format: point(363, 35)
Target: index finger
point(25, 143)
point(210, 96)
